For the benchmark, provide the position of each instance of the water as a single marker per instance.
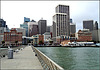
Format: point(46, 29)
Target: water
point(80, 58)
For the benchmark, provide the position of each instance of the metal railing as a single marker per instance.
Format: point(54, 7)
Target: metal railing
point(46, 62)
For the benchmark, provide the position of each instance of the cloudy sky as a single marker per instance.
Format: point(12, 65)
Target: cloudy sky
point(13, 12)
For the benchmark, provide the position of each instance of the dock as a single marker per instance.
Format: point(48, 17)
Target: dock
point(23, 59)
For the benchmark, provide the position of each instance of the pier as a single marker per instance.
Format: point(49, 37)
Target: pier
point(29, 58)
point(24, 59)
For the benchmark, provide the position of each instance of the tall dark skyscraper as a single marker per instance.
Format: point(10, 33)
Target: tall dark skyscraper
point(2, 23)
point(61, 21)
point(88, 24)
point(96, 26)
point(42, 25)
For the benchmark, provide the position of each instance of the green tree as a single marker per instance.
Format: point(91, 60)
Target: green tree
point(40, 42)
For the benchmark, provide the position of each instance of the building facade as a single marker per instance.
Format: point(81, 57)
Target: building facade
point(96, 35)
point(95, 25)
point(61, 21)
point(26, 19)
point(32, 28)
point(72, 28)
point(26, 28)
point(41, 39)
point(48, 29)
point(13, 37)
point(42, 24)
point(88, 24)
point(23, 30)
point(84, 35)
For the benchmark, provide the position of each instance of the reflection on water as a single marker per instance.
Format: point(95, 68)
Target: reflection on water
point(74, 58)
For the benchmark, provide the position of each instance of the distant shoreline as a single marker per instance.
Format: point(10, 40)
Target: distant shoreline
point(67, 46)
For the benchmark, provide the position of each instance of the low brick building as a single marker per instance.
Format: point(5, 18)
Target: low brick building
point(13, 37)
point(84, 35)
point(41, 38)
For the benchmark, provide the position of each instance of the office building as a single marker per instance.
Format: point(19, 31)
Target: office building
point(42, 24)
point(95, 25)
point(48, 29)
point(33, 28)
point(26, 19)
point(2, 23)
point(61, 21)
point(88, 24)
point(72, 28)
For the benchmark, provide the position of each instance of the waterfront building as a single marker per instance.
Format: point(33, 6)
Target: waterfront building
point(96, 35)
point(26, 40)
point(32, 28)
point(26, 19)
point(42, 25)
point(84, 35)
point(61, 21)
point(13, 37)
point(35, 39)
point(23, 30)
point(47, 37)
point(72, 28)
point(41, 39)
point(88, 24)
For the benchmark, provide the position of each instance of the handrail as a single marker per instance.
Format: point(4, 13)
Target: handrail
point(46, 62)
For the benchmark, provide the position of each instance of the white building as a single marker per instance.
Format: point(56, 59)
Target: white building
point(47, 37)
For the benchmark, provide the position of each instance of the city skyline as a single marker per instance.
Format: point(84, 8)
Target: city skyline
point(79, 11)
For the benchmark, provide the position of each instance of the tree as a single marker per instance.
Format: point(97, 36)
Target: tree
point(40, 42)
point(50, 42)
point(16, 42)
point(3, 42)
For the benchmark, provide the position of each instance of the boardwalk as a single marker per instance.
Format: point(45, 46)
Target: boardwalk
point(24, 59)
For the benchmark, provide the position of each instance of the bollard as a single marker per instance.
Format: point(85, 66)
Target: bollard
point(10, 53)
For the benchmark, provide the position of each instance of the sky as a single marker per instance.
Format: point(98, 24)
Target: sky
point(13, 12)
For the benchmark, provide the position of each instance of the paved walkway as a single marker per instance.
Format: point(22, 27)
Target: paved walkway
point(24, 59)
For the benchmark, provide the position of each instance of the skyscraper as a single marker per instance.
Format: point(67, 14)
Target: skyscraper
point(72, 28)
point(88, 24)
point(96, 26)
point(42, 24)
point(26, 19)
point(32, 28)
point(61, 21)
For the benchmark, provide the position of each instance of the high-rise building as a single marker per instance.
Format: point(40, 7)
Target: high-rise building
point(32, 28)
point(96, 26)
point(88, 24)
point(26, 19)
point(42, 24)
point(26, 28)
point(2, 23)
point(72, 28)
point(61, 21)
point(48, 29)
